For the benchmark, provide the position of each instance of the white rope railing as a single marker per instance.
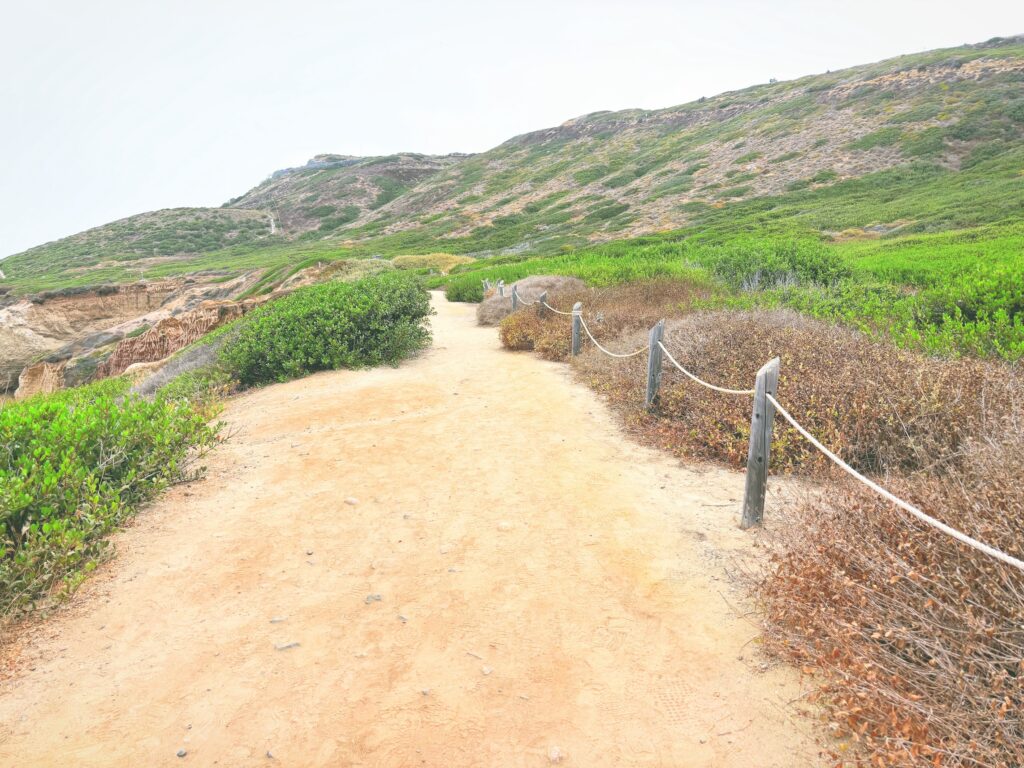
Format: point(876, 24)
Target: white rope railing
point(701, 381)
point(608, 351)
point(556, 311)
point(910, 508)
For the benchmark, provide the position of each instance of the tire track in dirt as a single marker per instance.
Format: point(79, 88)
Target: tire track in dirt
point(548, 590)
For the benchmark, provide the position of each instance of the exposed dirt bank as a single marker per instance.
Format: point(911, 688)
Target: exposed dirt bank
point(458, 562)
point(76, 324)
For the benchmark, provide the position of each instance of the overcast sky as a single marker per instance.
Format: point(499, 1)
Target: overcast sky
point(114, 107)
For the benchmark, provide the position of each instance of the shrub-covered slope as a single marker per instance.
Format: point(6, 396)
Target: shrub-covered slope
point(332, 191)
point(139, 244)
point(895, 125)
point(924, 142)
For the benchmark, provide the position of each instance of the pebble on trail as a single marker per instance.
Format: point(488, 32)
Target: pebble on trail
point(373, 599)
point(352, 501)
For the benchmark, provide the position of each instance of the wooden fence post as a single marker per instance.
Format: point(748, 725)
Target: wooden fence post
point(760, 445)
point(654, 363)
point(487, 285)
point(501, 288)
point(515, 297)
point(541, 301)
point(577, 317)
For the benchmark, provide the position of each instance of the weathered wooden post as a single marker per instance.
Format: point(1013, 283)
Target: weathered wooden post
point(577, 318)
point(487, 285)
point(541, 301)
point(515, 297)
point(654, 363)
point(760, 444)
point(501, 287)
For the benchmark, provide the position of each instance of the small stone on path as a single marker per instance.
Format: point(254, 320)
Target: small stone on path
point(351, 501)
point(373, 599)
point(285, 646)
point(181, 753)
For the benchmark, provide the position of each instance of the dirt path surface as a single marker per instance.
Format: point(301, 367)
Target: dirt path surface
point(548, 592)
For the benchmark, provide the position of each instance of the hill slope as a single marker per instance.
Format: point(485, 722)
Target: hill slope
point(882, 143)
point(331, 191)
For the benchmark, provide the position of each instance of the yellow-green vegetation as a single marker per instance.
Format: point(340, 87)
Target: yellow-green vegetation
point(431, 262)
point(947, 293)
point(76, 464)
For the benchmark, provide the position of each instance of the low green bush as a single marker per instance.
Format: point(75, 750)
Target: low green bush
point(331, 325)
point(73, 466)
point(470, 289)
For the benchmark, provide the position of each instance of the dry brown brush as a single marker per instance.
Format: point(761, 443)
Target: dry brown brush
point(494, 308)
point(880, 408)
point(915, 641)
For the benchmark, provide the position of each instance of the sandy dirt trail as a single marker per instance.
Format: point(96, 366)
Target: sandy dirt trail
point(548, 592)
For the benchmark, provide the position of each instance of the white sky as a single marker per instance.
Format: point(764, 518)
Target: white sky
point(114, 107)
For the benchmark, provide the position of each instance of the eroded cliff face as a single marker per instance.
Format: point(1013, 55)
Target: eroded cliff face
point(59, 327)
point(170, 335)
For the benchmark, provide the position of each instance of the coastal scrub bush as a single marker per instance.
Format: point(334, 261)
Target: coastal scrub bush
point(881, 408)
point(75, 464)
point(913, 641)
point(332, 325)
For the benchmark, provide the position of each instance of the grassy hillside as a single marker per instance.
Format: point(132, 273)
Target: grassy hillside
point(171, 239)
point(333, 191)
point(929, 142)
point(897, 124)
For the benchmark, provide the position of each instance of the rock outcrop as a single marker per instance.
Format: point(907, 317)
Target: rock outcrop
point(171, 334)
point(83, 324)
point(41, 378)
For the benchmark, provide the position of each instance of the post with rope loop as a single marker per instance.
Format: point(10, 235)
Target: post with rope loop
point(761, 422)
point(577, 317)
point(654, 363)
point(515, 298)
point(541, 301)
point(501, 288)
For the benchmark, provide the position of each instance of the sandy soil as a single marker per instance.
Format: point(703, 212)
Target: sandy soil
point(548, 592)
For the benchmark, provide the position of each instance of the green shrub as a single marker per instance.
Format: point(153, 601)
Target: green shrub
point(331, 325)
point(74, 465)
point(469, 290)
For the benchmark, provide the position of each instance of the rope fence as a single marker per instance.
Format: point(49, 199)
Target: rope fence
point(607, 351)
point(765, 404)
